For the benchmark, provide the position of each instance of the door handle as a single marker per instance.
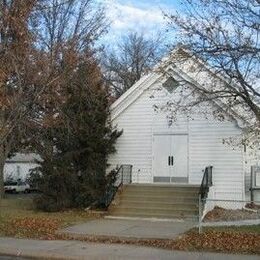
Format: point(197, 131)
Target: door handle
point(170, 160)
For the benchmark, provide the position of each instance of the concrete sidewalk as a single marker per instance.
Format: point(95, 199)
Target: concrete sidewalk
point(82, 250)
point(129, 228)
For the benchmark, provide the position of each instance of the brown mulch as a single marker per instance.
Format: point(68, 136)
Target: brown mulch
point(253, 206)
point(221, 214)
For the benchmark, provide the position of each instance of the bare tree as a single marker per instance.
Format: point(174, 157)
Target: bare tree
point(133, 57)
point(64, 31)
point(39, 42)
point(60, 22)
point(225, 34)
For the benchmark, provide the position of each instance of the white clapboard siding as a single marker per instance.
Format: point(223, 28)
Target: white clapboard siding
point(18, 170)
point(207, 148)
point(135, 145)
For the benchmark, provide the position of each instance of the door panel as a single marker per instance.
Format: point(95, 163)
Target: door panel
point(161, 152)
point(179, 151)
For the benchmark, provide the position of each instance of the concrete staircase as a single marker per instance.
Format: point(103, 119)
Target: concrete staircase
point(156, 201)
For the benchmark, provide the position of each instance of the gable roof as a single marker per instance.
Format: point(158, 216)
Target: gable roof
point(133, 93)
point(169, 64)
point(24, 158)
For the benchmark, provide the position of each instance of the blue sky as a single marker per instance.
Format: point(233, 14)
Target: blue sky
point(137, 15)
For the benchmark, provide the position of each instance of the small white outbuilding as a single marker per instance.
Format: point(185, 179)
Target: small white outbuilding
point(176, 151)
point(19, 166)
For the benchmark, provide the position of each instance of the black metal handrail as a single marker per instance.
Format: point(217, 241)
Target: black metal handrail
point(206, 183)
point(124, 176)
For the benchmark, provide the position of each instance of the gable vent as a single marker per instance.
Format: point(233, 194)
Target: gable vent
point(170, 84)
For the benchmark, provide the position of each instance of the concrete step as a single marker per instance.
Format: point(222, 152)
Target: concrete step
point(148, 209)
point(161, 189)
point(157, 205)
point(171, 194)
point(163, 185)
point(156, 201)
point(158, 198)
point(176, 215)
point(147, 187)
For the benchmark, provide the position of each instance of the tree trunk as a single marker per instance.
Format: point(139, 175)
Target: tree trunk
point(2, 163)
point(1, 180)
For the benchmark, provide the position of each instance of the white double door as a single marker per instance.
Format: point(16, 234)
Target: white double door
point(170, 158)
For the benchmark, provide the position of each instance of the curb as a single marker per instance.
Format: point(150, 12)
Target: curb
point(36, 255)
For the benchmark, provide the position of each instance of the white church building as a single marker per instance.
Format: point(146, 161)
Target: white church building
point(166, 151)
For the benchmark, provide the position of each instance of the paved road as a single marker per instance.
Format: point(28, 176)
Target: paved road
point(20, 195)
point(5, 257)
point(82, 250)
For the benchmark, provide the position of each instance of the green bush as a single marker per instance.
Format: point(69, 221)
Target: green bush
point(57, 187)
point(74, 147)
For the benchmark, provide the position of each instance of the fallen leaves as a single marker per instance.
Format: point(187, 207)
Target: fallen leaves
point(39, 225)
point(221, 241)
point(32, 227)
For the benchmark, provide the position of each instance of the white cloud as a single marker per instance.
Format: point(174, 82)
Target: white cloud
point(126, 17)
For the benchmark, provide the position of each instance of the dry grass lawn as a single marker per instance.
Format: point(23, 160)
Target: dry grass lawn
point(18, 218)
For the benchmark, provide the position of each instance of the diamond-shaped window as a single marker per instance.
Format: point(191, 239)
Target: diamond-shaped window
point(170, 84)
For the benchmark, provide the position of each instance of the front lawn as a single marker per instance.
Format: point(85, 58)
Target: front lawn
point(19, 219)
